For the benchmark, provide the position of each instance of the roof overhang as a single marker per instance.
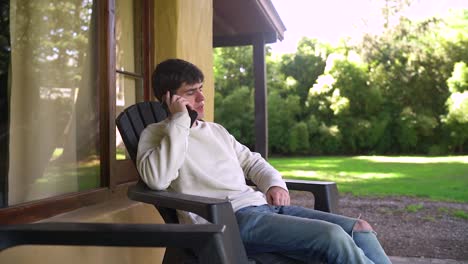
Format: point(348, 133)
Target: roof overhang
point(239, 22)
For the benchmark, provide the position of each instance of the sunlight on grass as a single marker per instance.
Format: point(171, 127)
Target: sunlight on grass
point(120, 156)
point(369, 176)
point(121, 153)
point(436, 178)
point(300, 173)
point(72, 176)
point(57, 153)
point(341, 176)
point(417, 160)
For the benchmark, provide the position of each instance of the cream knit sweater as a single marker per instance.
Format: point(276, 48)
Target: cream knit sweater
point(204, 160)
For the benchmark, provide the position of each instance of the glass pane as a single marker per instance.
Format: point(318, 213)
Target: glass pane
point(53, 114)
point(128, 36)
point(129, 91)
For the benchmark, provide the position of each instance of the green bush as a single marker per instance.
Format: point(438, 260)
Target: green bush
point(299, 139)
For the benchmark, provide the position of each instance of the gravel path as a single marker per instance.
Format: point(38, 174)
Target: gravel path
point(408, 227)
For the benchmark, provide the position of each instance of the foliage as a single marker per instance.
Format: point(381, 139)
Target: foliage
point(299, 138)
point(455, 122)
point(233, 69)
point(305, 66)
point(234, 92)
point(237, 105)
point(281, 118)
point(404, 91)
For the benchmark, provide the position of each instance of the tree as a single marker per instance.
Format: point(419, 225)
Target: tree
point(233, 68)
point(299, 139)
point(409, 66)
point(456, 120)
point(305, 66)
point(282, 112)
point(235, 113)
point(234, 84)
point(388, 95)
point(343, 98)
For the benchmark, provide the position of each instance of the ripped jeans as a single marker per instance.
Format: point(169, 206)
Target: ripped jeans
point(307, 235)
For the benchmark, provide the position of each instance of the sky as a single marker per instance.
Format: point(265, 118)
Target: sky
point(331, 20)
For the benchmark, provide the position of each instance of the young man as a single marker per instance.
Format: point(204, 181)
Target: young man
point(206, 160)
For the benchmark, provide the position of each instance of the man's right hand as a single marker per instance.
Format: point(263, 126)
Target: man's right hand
point(176, 103)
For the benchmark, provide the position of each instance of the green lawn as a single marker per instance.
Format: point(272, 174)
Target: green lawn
point(436, 178)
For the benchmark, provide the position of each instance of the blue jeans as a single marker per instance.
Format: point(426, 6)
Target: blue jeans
point(307, 235)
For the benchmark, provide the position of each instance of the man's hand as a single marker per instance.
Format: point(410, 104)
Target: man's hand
point(278, 196)
point(175, 103)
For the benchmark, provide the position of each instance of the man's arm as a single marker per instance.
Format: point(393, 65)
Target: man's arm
point(161, 151)
point(265, 176)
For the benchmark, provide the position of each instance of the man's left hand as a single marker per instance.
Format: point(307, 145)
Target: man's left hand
point(278, 196)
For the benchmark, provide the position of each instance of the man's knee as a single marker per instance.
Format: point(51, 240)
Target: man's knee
point(362, 225)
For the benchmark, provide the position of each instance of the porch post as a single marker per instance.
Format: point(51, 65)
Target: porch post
point(261, 109)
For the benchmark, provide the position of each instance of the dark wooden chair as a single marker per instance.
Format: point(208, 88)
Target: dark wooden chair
point(206, 240)
point(132, 121)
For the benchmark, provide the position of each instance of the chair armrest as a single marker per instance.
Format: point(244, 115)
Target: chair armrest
point(207, 239)
point(325, 193)
point(217, 211)
point(200, 205)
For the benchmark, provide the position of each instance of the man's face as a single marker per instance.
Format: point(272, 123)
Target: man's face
point(194, 95)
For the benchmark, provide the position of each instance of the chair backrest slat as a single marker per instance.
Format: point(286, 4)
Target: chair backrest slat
point(159, 112)
point(129, 137)
point(146, 113)
point(134, 119)
point(137, 121)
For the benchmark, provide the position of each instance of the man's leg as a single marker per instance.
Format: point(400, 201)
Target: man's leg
point(361, 231)
point(264, 230)
point(365, 238)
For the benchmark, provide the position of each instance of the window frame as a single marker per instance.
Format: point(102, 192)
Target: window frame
point(113, 183)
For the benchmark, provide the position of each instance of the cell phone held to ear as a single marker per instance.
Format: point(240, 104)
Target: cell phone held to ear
point(192, 113)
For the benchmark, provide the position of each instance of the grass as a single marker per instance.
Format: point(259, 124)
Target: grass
point(461, 214)
point(70, 177)
point(434, 178)
point(413, 208)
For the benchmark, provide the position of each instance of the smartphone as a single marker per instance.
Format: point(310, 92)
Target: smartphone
point(192, 113)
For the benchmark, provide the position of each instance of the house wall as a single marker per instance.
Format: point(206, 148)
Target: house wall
point(181, 32)
point(183, 29)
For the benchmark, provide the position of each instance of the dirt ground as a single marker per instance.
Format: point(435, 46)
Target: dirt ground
point(408, 227)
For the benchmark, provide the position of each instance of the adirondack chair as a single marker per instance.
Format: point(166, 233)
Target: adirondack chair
point(132, 121)
point(206, 240)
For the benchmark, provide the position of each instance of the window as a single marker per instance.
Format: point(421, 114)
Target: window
point(129, 61)
point(54, 130)
point(132, 69)
point(53, 118)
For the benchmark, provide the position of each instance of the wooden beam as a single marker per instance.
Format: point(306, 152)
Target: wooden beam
point(243, 40)
point(261, 107)
point(41, 209)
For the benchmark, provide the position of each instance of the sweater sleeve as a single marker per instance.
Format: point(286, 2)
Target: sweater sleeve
point(256, 168)
point(161, 151)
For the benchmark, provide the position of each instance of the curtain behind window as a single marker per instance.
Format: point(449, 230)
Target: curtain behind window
point(54, 126)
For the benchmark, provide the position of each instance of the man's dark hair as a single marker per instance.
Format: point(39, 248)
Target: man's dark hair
point(170, 74)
